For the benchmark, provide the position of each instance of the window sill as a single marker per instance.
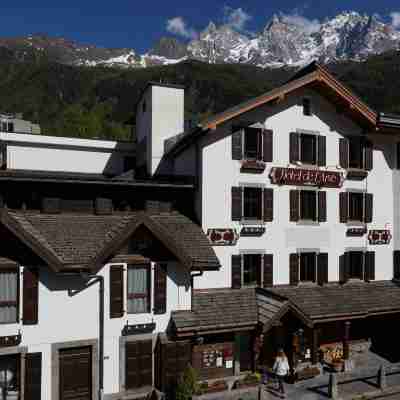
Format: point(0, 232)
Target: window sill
point(307, 283)
point(252, 231)
point(356, 174)
point(252, 166)
point(247, 222)
point(358, 224)
point(307, 222)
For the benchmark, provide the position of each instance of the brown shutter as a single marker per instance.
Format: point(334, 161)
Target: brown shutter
point(294, 205)
point(368, 156)
point(368, 207)
point(396, 264)
point(344, 260)
point(322, 268)
point(294, 155)
point(33, 376)
point(294, 269)
point(138, 364)
point(268, 270)
point(236, 269)
point(160, 288)
point(321, 151)
point(116, 291)
point(268, 205)
point(236, 203)
point(237, 149)
point(268, 145)
point(344, 153)
point(369, 274)
point(30, 296)
point(322, 206)
point(343, 206)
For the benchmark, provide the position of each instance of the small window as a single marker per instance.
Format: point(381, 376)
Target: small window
point(356, 265)
point(356, 206)
point(139, 288)
point(4, 126)
point(8, 296)
point(252, 203)
point(307, 106)
point(356, 153)
point(308, 149)
point(251, 269)
point(253, 144)
point(10, 127)
point(308, 205)
point(308, 267)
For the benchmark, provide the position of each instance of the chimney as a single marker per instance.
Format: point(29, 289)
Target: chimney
point(159, 117)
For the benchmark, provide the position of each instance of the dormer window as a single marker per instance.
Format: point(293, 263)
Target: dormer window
point(307, 106)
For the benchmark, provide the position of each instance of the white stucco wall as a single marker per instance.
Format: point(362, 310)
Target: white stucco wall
point(68, 311)
point(47, 153)
point(219, 173)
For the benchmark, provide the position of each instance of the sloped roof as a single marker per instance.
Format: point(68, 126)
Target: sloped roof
point(83, 241)
point(313, 74)
point(351, 300)
point(218, 309)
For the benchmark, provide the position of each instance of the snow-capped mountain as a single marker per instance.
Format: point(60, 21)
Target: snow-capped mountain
point(283, 42)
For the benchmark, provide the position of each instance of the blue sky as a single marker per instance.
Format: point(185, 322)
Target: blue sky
point(138, 24)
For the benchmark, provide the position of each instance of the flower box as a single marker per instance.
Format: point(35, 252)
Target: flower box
point(253, 166)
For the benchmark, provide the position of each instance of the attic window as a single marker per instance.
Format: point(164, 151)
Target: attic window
point(307, 106)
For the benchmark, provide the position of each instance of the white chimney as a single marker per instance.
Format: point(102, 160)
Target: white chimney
point(159, 116)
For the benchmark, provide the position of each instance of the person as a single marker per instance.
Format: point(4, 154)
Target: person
point(281, 369)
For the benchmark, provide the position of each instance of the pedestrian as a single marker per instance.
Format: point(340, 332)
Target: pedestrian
point(281, 369)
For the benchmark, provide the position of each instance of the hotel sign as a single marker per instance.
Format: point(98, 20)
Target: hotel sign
point(306, 177)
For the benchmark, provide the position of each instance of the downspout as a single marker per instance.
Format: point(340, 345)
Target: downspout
point(100, 279)
point(192, 276)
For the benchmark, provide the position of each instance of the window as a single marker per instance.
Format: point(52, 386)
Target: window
point(252, 203)
point(10, 376)
point(139, 276)
point(308, 266)
point(356, 265)
point(308, 149)
point(308, 205)
point(8, 296)
point(251, 269)
point(253, 144)
point(356, 152)
point(307, 106)
point(10, 127)
point(356, 206)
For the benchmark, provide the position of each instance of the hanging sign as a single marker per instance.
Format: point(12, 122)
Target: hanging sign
point(306, 177)
point(379, 236)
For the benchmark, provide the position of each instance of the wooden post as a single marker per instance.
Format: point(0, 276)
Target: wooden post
point(382, 383)
point(333, 391)
point(346, 349)
point(315, 346)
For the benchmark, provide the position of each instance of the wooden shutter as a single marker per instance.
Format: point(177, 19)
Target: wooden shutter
point(237, 148)
point(322, 268)
point(294, 205)
point(321, 151)
point(268, 270)
point(33, 376)
point(236, 269)
point(344, 153)
point(322, 206)
point(396, 264)
point(368, 156)
point(116, 291)
point(236, 203)
point(30, 293)
point(344, 261)
point(369, 273)
point(138, 364)
point(160, 288)
point(268, 205)
point(294, 269)
point(368, 207)
point(268, 145)
point(294, 155)
point(343, 206)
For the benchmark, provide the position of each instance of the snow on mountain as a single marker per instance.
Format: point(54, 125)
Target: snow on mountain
point(347, 36)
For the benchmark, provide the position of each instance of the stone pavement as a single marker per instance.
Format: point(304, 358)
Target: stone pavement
point(351, 386)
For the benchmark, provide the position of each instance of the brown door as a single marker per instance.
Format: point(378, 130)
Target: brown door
point(76, 374)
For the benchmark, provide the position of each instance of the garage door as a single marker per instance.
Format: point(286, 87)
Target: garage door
point(76, 374)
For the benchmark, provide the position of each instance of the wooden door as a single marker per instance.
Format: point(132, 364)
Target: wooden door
point(76, 374)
